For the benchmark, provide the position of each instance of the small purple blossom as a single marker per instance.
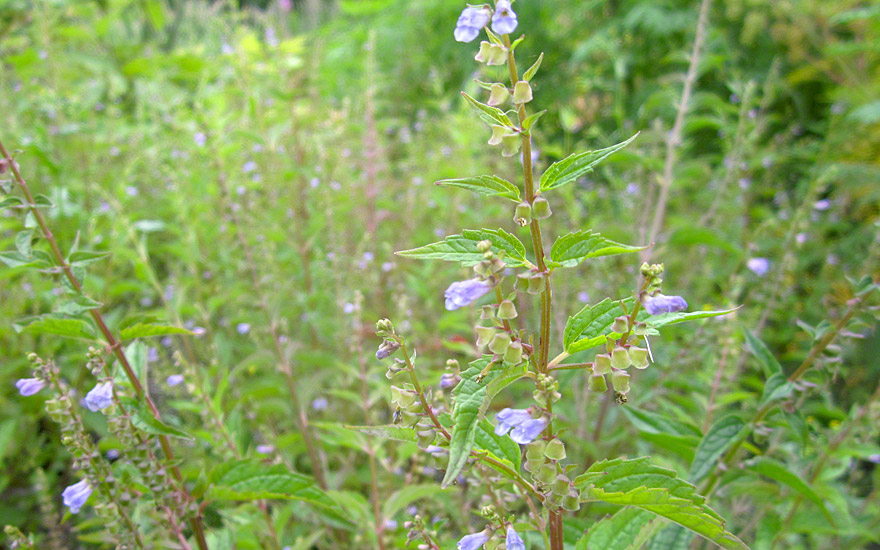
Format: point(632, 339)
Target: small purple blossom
point(474, 541)
point(513, 541)
point(509, 418)
point(249, 166)
point(348, 308)
point(100, 397)
point(29, 386)
point(583, 297)
point(200, 138)
point(174, 380)
point(822, 205)
point(76, 495)
point(526, 432)
point(435, 450)
point(504, 20)
point(758, 266)
point(112, 454)
point(470, 23)
point(449, 380)
point(243, 328)
point(463, 293)
point(661, 303)
point(265, 449)
point(320, 403)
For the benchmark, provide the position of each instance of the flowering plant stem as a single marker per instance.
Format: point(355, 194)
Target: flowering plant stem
point(114, 345)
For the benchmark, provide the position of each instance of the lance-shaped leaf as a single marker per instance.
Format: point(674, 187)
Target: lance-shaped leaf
point(720, 436)
point(491, 186)
point(142, 330)
point(51, 324)
point(572, 249)
point(574, 166)
point(663, 319)
point(783, 474)
point(768, 362)
point(489, 114)
point(657, 490)
point(589, 327)
point(463, 248)
point(249, 479)
point(628, 529)
point(777, 387)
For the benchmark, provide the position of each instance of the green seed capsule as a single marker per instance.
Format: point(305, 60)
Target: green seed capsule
point(602, 364)
point(561, 485)
point(487, 313)
point(541, 208)
point(514, 352)
point(536, 284)
point(555, 450)
point(620, 358)
point(498, 94)
point(533, 465)
point(572, 502)
point(639, 357)
point(598, 384)
point(499, 343)
point(522, 92)
point(620, 381)
point(523, 214)
point(506, 310)
point(535, 450)
point(547, 474)
point(485, 335)
point(620, 325)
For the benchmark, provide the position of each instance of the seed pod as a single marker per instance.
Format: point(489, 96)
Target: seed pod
point(513, 355)
point(620, 325)
point(497, 55)
point(555, 450)
point(506, 310)
point(620, 381)
point(510, 145)
point(561, 485)
point(536, 284)
point(541, 208)
point(598, 384)
point(485, 335)
point(533, 465)
point(522, 92)
point(639, 357)
point(523, 214)
point(499, 343)
point(535, 450)
point(572, 502)
point(547, 474)
point(483, 55)
point(498, 94)
point(498, 134)
point(620, 358)
point(487, 313)
point(602, 364)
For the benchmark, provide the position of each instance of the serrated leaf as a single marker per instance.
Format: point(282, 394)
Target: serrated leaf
point(470, 399)
point(527, 76)
point(463, 248)
point(491, 186)
point(657, 490)
point(779, 472)
point(23, 242)
point(249, 479)
point(663, 319)
point(775, 388)
point(766, 359)
point(50, 324)
point(14, 258)
point(79, 304)
point(656, 423)
point(494, 115)
point(499, 446)
point(588, 327)
point(142, 330)
point(85, 257)
point(11, 202)
point(719, 437)
point(143, 419)
point(574, 166)
point(673, 537)
point(572, 249)
point(627, 529)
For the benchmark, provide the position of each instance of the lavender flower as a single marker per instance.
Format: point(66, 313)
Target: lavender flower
point(470, 23)
point(265, 449)
point(664, 304)
point(29, 386)
point(243, 328)
point(758, 266)
point(100, 397)
point(463, 293)
point(320, 403)
point(174, 379)
point(504, 20)
point(473, 541)
point(513, 540)
point(526, 432)
point(200, 138)
point(76, 495)
point(509, 418)
point(449, 380)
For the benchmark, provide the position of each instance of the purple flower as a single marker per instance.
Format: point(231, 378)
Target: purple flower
point(200, 138)
point(473, 541)
point(174, 379)
point(100, 397)
point(249, 166)
point(449, 380)
point(526, 432)
point(470, 23)
point(265, 449)
point(348, 308)
point(76, 495)
point(504, 20)
point(822, 205)
point(320, 403)
point(243, 328)
point(513, 540)
point(463, 293)
point(664, 304)
point(758, 266)
point(29, 386)
point(435, 450)
point(112, 454)
point(509, 418)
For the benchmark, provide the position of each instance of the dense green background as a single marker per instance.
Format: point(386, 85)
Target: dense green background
point(325, 127)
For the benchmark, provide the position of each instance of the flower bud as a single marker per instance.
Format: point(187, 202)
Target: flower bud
point(536, 284)
point(522, 92)
point(387, 349)
point(554, 500)
point(561, 485)
point(535, 450)
point(620, 325)
point(523, 214)
point(497, 265)
point(498, 94)
point(426, 437)
point(602, 364)
point(499, 343)
point(598, 384)
point(408, 419)
point(510, 145)
point(506, 310)
point(572, 502)
point(640, 329)
point(485, 335)
point(402, 397)
point(547, 474)
point(620, 381)
point(513, 355)
point(384, 328)
point(541, 208)
point(484, 246)
point(555, 450)
point(639, 357)
point(620, 358)
point(487, 313)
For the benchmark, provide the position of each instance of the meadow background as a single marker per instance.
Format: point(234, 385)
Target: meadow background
point(251, 169)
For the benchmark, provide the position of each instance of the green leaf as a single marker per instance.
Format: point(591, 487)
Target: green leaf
point(572, 249)
point(628, 529)
point(23, 241)
point(402, 498)
point(491, 186)
point(471, 399)
point(768, 362)
point(14, 258)
point(500, 447)
point(530, 72)
point(490, 114)
point(779, 472)
point(588, 327)
point(702, 236)
point(387, 431)
point(50, 324)
point(531, 120)
point(574, 166)
point(663, 319)
point(79, 304)
point(655, 423)
point(463, 248)
point(250, 479)
point(673, 537)
point(657, 490)
point(143, 419)
point(11, 202)
point(85, 257)
point(142, 330)
point(719, 437)
point(777, 387)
